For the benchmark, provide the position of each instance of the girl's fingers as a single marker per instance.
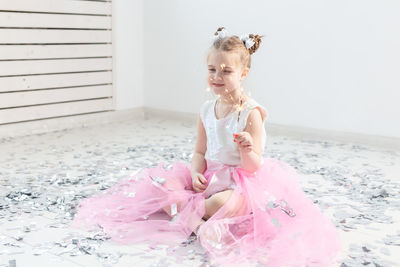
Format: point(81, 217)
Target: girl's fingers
point(200, 185)
point(243, 143)
point(237, 136)
point(196, 189)
point(202, 179)
point(237, 140)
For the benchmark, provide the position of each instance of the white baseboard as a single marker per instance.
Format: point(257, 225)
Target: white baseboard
point(56, 124)
point(68, 122)
point(385, 142)
point(178, 115)
point(304, 133)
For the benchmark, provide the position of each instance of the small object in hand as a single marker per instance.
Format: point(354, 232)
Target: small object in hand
point(234, 137)
point(240, 109)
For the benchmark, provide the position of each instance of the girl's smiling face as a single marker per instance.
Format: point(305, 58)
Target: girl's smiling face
point(225, 73)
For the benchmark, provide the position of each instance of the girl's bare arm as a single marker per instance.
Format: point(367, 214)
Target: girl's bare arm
point(251, 160)
point(199, 164)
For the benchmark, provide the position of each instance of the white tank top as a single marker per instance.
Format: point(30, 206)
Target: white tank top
point(220, 144)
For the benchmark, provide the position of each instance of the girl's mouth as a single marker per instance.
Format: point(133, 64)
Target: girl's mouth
point(217, 84)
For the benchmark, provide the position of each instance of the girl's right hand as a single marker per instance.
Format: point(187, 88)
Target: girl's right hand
point(199, 182)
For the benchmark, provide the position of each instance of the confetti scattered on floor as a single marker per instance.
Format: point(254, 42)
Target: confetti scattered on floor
point(43, 177)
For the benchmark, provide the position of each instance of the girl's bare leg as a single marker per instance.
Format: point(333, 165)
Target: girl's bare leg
point(212, 205)
point(215, 202)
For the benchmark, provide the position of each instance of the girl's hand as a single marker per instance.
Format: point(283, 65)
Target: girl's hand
point(244, 140)
point(199, 182)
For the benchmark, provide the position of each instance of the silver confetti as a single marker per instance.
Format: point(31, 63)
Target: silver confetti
point(41, 176)
point(275, 222)
point(132, 194)
point(174, 209)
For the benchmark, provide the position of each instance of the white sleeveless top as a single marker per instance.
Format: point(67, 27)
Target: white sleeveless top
point(220, 144)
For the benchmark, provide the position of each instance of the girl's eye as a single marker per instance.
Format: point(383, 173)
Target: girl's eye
point(225, 71)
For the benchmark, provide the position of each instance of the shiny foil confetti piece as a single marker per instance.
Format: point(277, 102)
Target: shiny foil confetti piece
point(42, 176)
point(161, 180)
point(174, 218)
point(271, 205)
point(290, 212)
point(158, 181)
point(275, 222)
point(174, 209)
point(132, 194)
point(214, 244)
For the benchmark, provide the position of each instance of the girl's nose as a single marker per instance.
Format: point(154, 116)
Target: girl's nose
point(218, 76)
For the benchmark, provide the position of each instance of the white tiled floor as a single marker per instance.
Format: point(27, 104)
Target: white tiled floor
point(43, 177)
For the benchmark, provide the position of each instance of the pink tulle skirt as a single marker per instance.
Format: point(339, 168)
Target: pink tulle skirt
point(267, 218)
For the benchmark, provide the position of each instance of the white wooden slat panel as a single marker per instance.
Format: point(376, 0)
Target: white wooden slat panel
point(54, 110)
point(21, 83)
point(54, 66)
point(18, 99)
point(29, 36)
point(54, 51)
point(35, 20)
point(59, 6)
point(55, 59)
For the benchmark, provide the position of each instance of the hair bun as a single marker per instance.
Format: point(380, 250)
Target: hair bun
point(218, 30)
point(257, 41)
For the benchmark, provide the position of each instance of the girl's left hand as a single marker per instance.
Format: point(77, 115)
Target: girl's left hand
point(244, 140)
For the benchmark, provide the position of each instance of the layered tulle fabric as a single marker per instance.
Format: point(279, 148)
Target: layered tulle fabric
point(268, 218)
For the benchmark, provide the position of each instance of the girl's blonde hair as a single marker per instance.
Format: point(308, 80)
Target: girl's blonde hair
point(234, 44)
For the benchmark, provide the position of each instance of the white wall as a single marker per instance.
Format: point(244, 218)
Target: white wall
point(128, 53)
point(323, 64)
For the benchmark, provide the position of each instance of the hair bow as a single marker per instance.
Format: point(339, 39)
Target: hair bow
point(221, 34)
point(247, 40)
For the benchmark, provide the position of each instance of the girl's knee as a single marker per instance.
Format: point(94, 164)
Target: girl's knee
point(216, 201)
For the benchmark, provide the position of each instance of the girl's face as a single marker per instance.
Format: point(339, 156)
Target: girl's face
point(225, 72)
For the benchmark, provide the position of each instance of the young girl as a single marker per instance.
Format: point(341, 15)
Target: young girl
point(239, 204)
